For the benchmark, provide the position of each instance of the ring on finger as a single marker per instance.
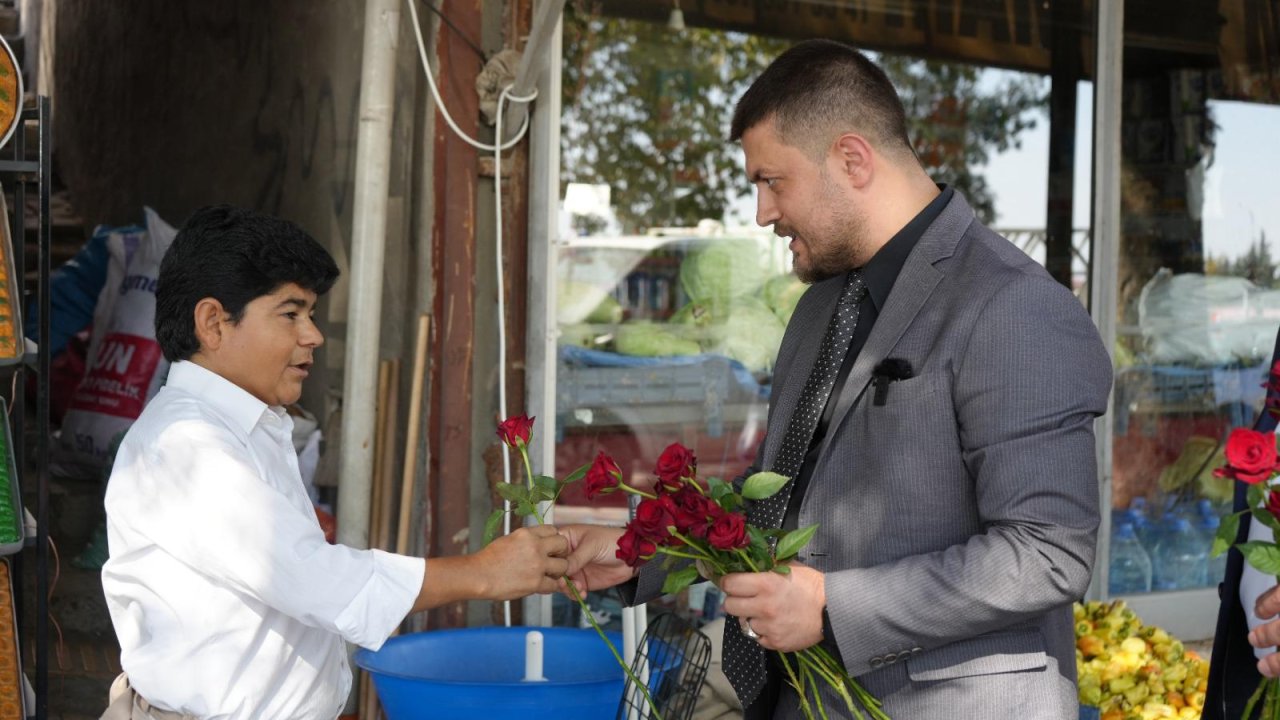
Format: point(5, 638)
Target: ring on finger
point(748, 630)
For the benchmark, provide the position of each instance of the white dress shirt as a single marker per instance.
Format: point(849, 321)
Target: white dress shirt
point(1253, 583)
point(226, 599)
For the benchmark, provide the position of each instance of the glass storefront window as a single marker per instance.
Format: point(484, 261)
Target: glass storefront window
point(671, 301)
point(1199, 300)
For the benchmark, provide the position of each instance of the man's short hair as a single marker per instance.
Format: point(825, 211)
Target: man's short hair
point(234, 256)
point(820, 89)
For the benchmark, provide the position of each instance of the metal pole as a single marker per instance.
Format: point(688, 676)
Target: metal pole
point(1103, 283)
point(368, 249)
point(540, 340)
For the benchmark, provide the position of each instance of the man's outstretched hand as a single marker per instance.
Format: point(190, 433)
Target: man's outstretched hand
point(593, 560)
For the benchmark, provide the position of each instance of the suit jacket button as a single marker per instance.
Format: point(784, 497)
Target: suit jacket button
point(916, 650)
point(877, 663)
point(904, 654)
point(890, 659)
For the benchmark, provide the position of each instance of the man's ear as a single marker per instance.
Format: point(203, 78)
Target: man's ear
point(209, 316)
point(854, 158)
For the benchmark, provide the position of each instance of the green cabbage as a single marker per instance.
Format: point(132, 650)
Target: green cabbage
point(579, 302)
point(781, 293)
point(724, 270)
point(745, 330)
point(647, 339)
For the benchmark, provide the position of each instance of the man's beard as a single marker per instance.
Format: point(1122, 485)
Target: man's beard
point(837, 253)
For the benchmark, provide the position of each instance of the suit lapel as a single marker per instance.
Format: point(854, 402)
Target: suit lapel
point(915, 283)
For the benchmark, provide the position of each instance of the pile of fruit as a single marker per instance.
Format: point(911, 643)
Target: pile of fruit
point(1134, 672)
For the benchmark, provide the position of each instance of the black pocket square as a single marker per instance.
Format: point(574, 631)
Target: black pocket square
point(887, 371)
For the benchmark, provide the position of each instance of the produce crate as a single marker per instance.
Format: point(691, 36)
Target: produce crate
point(12, 695)
point(12, 344)
point(707, 383)
point(12, 534)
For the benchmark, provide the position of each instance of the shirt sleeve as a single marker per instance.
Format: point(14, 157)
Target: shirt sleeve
point(198, 496)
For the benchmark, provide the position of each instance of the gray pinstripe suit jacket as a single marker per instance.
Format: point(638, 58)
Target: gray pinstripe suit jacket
point(958, 520)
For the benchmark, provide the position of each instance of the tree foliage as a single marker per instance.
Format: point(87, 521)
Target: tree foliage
point(647, 112)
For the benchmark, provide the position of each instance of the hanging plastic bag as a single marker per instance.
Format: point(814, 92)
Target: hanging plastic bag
point(125, 367)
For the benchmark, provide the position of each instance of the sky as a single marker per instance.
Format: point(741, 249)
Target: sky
point(1239, 186)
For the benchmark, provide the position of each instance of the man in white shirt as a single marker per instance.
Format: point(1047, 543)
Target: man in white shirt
point(226, 599)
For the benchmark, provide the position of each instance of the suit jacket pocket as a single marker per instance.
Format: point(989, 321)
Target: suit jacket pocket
point(985, 655)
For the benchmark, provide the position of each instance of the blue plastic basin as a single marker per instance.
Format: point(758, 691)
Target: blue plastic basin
point(475, 673)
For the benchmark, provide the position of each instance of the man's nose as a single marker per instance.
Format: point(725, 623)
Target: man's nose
point(766, 211)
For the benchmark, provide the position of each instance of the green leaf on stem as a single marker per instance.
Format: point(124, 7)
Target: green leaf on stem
point(491, 525)
point(782, 569)
point(791, 543)
point(1265, 517)
point(512, 492)
point(526, 508)
point(679, 580)
point(1264, 556)
point(1257, 495)
point(763, 485)
point(1227, 532)
point(577, 475)
point(544, 481)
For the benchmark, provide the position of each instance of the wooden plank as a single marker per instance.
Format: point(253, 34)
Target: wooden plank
point(455, 180)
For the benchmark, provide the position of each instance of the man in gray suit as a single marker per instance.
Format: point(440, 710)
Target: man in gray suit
point(934, 399)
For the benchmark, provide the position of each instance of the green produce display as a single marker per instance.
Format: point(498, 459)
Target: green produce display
point(579, 302)
point(1131, 671)
point(11, 535)
point(723, 270)
point(646, 339)
point(781, 294)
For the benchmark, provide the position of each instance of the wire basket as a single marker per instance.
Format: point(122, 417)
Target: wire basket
point(672, 660)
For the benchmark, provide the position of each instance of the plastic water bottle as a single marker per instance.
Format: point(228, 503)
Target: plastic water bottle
point(1181, 560)
point(1215, 567)
point(1130, 567)
point(1142, 527)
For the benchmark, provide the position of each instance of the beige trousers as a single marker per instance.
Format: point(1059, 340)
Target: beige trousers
point(125, 704)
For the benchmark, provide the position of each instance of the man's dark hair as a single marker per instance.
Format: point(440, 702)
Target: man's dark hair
point(234, 256)
point(819, 89)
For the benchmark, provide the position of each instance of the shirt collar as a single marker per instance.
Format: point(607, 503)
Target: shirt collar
point(229, 399)
point(881, 272)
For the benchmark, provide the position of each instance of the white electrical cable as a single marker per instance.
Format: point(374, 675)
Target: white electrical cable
point(431, 83)
point(502, 314)
point(496, 149)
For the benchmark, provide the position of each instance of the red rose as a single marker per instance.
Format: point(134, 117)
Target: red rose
point(729, 531)
point(1273, 503)
point(603, 477)
point(676, 462)
point(632, 549)
point(1251, 456)
point(652, 521)
point(1272, 386)
point(691, 511)
point(515, 430)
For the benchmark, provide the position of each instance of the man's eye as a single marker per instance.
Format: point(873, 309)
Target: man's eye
point(769, 182)
point(291, 315)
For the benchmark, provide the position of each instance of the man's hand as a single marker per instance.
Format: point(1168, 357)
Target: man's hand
point(784, 610)
point(529, 560)
point(1267, 635)
point(593, 560)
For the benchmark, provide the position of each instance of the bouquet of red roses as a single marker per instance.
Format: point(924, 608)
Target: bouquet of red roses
point(702, 531)
point(1252, 459)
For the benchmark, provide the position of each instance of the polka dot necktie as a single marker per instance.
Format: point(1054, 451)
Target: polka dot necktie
point(744, 659)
